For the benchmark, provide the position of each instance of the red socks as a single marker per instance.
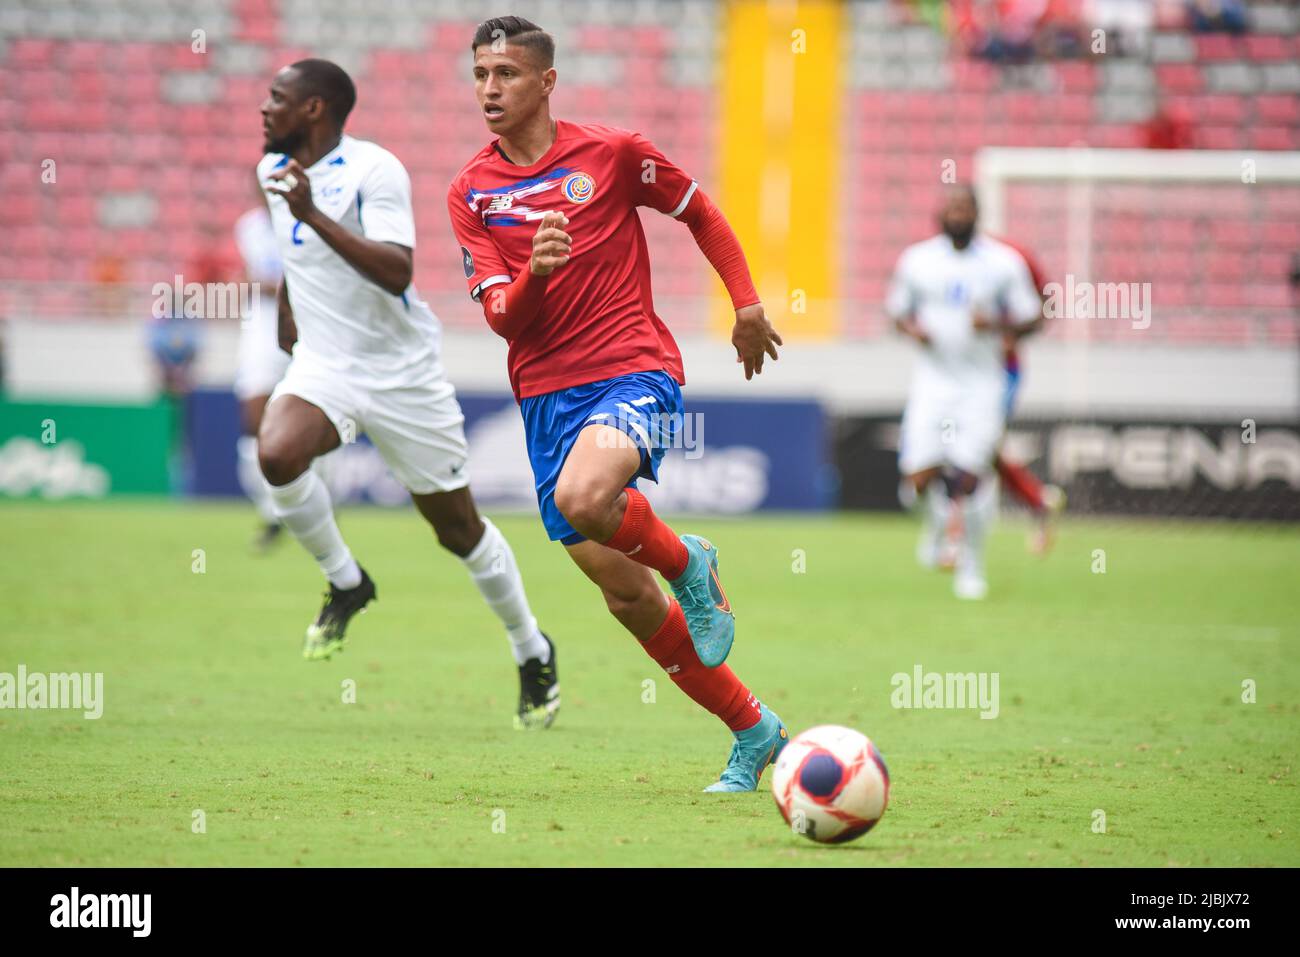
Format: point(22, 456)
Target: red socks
point(717, 690)
point(645, 539)
point(1022, 483)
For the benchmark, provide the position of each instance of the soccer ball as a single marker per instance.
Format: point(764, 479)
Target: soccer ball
point(831, 784)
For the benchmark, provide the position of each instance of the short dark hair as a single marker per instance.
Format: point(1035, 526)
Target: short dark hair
point(962, 189)
point(331, 83)
point(519, 32)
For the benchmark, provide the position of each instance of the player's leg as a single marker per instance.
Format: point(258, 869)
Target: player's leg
point(1021, 483)
point(592, 495)
point(260, 366)
point(930, 496)
point(1044, 501)
point(487, 556)
point(634, 597)
point(624, 434)
point(419, 429)
point(973, 486)
point(920, 459)
point(249, 471)
point(295, 431)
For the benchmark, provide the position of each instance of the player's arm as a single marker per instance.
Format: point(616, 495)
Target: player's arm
point(900, 303)
point(1023, 312)
point(753, 334)
point(286, 328)
point(509, 305)
point(386, 264)
point(656, 182)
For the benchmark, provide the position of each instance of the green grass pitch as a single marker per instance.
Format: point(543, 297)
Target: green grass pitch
point(1119, 692)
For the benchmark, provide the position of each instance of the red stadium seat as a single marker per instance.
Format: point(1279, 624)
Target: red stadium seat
point(1268, 47)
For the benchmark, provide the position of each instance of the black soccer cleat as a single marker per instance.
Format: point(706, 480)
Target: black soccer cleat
point(325, 636)
point(539, 692)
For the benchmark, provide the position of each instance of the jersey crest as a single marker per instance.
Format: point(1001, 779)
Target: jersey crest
point(578, 187)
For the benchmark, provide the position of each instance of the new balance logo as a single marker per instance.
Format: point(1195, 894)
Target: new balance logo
point(673, 669)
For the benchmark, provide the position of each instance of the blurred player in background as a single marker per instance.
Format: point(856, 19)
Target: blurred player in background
point(1044, 501)
point(596, 372)
point(366, 358)
point(262, 362)
point(955, 294)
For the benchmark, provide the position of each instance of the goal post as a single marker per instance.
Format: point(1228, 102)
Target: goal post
point(1208, 235)
point(1167, 380)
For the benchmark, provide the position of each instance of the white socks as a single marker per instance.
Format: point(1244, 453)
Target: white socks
point(979, 509)
point(934, 523)
point(251, 480)
point(492, 567)
point(303, 506)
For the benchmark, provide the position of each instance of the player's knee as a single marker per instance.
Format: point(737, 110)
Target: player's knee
point(280, 463)
point(583, 506)
point(963, 482)
point(459, 535)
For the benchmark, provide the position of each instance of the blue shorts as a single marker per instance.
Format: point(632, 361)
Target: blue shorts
point(645, 406)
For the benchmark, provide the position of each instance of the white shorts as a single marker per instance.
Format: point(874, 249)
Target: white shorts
point(261, 361)
point(419, 428)
point(960, 431)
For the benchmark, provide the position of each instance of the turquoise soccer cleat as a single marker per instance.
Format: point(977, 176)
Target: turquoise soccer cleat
point(708, 613)
point(754, 750)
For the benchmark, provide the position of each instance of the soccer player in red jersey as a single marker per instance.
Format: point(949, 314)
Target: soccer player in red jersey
point(553, 250)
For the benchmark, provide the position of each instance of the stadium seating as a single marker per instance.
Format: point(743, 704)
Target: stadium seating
point(153, 143)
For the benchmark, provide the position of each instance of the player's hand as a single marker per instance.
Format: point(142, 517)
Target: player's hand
point(552, 246)
point(299, 195)
point(754, 339)
point(916, 332)
point(982, 322)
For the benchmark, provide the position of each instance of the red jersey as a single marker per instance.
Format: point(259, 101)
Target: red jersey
point(1035, 270)
point(597, 320)
point(1012, 359)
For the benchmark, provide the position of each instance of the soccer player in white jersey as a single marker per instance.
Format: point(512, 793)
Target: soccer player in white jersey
point(366, 359)
point(261, 361)
point(955, 294)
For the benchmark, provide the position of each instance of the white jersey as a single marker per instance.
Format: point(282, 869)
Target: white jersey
point(261, 361)
point(944, 288)
point(346, 323)
point(257, 247)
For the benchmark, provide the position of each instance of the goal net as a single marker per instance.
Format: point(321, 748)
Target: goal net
point(1166, 379)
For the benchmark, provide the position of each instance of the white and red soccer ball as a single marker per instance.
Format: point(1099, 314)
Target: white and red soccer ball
point(831, 784)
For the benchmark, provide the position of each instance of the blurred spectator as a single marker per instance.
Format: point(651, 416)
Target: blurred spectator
point(1217, 16)
point(1018, 31)
point(1169, 128)
point(174, 341)
point(108, 273)
point(1061, 33)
